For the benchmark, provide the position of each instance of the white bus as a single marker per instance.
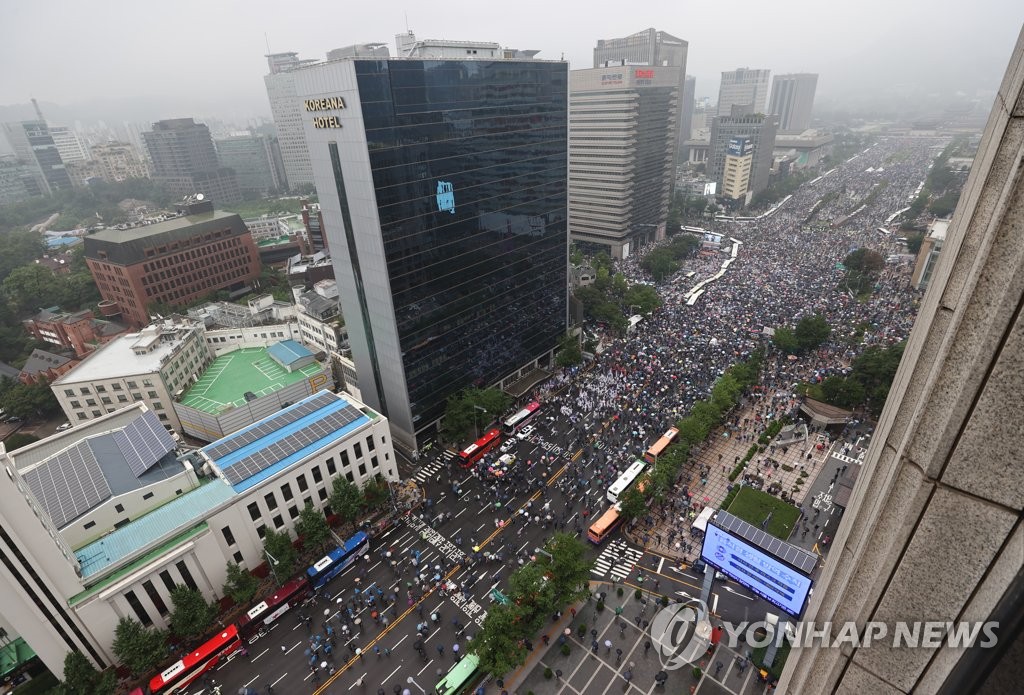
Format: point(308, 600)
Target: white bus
point(625, 480)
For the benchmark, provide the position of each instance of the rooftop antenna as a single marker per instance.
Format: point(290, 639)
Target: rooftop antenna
point(407, 22)
point(267, 39)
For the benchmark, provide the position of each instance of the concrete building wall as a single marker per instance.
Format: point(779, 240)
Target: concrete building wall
point(933, 531)
point(223, 340)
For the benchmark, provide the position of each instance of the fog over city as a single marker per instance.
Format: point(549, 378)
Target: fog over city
point(123, 60)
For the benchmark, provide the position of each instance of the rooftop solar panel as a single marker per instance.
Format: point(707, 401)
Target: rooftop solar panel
point(799, 558)
point(68, 484)
point(265, 458)
point(276, 422)
point(143, 442)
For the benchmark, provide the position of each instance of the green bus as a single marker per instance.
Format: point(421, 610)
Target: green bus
point(462, 678)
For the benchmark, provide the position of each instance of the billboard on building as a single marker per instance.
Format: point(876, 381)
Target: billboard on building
point(738, 147)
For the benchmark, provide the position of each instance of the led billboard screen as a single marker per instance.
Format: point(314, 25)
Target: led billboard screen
point(765, 575)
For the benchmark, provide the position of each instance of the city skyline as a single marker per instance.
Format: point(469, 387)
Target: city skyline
point(876, 51)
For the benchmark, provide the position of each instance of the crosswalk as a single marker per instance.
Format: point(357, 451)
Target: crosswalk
point(430, 470)
point(609, 561)
point(849, 459)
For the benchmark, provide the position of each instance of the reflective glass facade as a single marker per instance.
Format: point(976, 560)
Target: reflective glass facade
point(468, 162)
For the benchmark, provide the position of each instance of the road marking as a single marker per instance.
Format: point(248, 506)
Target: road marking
point(461, 512)
point(661, 562)
point(252, 681)
point(401, 640)
point(714, 603)
point(423, 669)
point(296, 645)
point(279, 679)
point(261, 653)
point(388, 676)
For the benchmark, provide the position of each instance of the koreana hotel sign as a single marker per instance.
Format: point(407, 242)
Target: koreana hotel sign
point(325, 104)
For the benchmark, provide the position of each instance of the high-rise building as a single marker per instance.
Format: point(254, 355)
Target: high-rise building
point(172, 262)
point(739, 158)
point(185, 161)
point(119, 161)
point(743, 87)
point(35, 147)
point(252, 158)
point(447, 222)
point(759, 129)
point(656, 49)
point(286, 108)
point(792, 101)
point(17, 181)
point(687, 105)
point(622, 146)
point(647, 47)
point(70, 146)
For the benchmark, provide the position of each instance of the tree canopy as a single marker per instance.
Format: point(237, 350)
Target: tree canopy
point(811, 331)
point(191, 615)
point(569, 351)
point(312, 527)
point(863, 267)
point(346, 500)
point(139, 648)
point(279, 547)
point(471, 410)
point(82, 678)
point(240, 585)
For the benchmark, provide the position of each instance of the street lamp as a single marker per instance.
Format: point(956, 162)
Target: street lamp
point(412, 681)
point(476, 421)
point(272, 562)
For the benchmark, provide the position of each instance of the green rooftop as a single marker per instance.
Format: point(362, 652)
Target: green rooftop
point(230, 376)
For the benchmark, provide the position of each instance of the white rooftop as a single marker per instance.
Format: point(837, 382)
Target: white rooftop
point(937, 229)
point(124, 355)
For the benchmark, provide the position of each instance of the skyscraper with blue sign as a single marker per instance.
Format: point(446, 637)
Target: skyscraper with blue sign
point(442, 184)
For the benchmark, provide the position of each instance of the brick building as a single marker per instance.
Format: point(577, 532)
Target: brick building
point(79, 331)
point(173, 262)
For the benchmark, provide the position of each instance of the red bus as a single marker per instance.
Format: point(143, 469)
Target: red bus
point(658, 448)
point(260, 616)
point(519, 420)
point(475, 451)
point(182, 673)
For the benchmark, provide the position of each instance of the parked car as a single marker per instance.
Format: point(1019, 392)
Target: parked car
point(65, 426)
point(525, 432)
point(508, 446)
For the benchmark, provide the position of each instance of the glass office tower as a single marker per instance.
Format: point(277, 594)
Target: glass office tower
point(443, 191)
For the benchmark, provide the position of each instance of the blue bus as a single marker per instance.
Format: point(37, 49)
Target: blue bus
point(330, 565)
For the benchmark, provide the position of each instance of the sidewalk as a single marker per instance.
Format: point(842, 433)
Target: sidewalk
point(713, 490)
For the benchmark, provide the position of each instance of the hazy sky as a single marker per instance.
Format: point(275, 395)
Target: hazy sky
point(195, 57)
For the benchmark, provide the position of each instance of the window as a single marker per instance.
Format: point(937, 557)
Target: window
point(165, 576)
point(317, 475)
point(374, 464)
point(286, 492)
point(261, 531)
point(293, 511)
point(81, 416)
point(116, 387)
point(137, 396)
point(76, 404)
point(89, 525)
point(106, 400)
point(238, 558)
point(100, 388)
point(158, 405)
point(148, 383)
point(122, 522)
point(90, 402)
point(157, 600)
point(306, 502)
point(148, 496)
point(254, 511)
point(229, 537)
point(136, 605)
point(69, 392)
point(369, 443)
point(119, 508)
point(362, 470)
point(278, 521)
point(351, 478)
point(85, 391)
point(96, 413)
point(301, 480)
point(132, 385)
point(322, 492)
point(331, 468)
point(152, 394)
point(121, 398)
point(186, 576)
point(271, 502)
point(358, 450)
